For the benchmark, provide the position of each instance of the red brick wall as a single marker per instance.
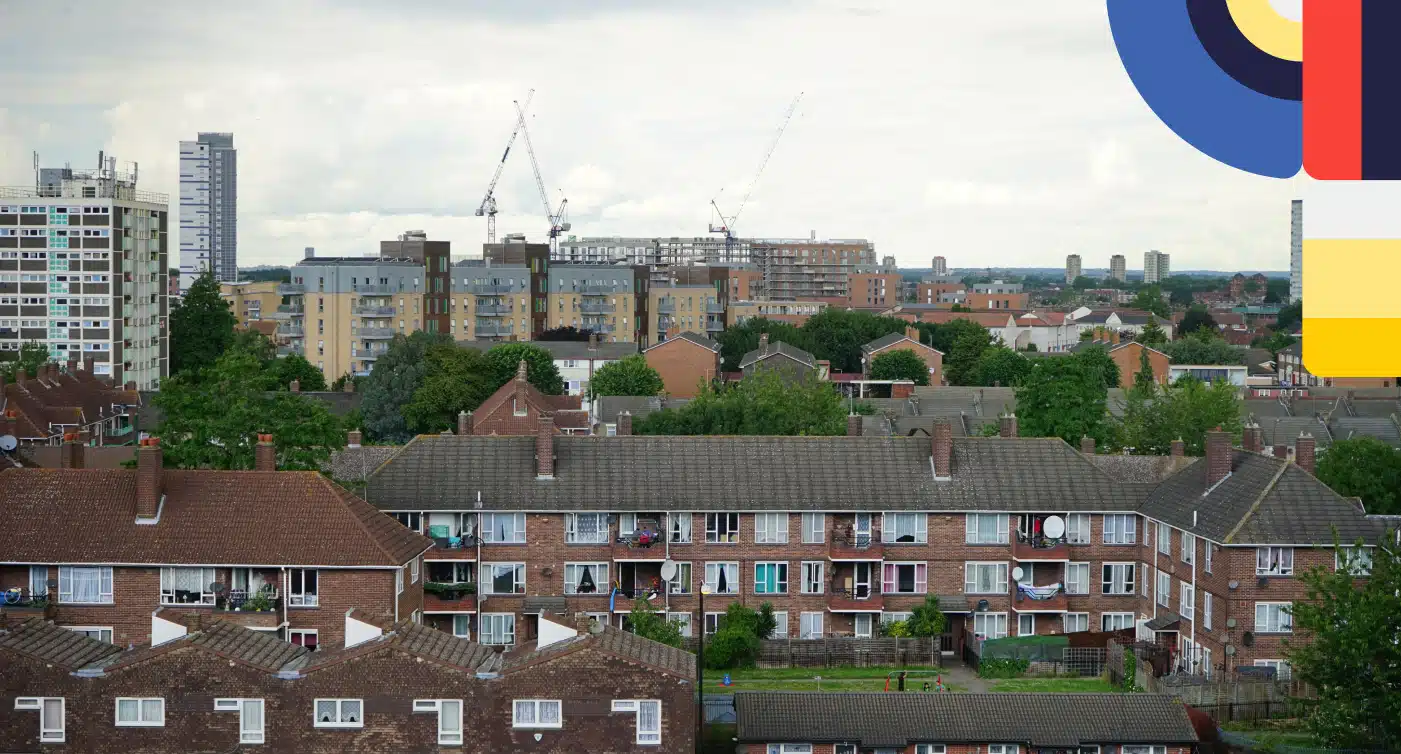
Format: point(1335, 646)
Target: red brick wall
point(1129, 363)
point(931, 357)
point(950, 748)
point(503, 421)
point(683, 366)
point(997, 301)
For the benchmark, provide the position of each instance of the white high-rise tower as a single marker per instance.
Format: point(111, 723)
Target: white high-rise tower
point(208, 208)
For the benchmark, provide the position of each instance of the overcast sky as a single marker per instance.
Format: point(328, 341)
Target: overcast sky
point(1001, 133)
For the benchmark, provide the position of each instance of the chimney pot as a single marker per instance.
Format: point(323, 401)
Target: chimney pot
point(464, 422)
point(149, 478)
point(764, 341)
point(1218, 456)
point(1304, 449)
point(265, 454)
point(545, 447)
point(625, 424)
point(295, 386)
point(853, 425)
point(352, 438)
point(1179, 448)
point(941, 441)
point(1007, 425)
point(1087, 445)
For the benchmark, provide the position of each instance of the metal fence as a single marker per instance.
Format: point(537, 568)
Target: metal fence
point(844, 652)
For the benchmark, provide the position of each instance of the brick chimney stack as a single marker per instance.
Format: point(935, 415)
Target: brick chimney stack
point(149, 478)
point(88, 364)
point(1087, 445)
point(1304, 449)
point(763, 342)
point(941, 442)
point(625, 424)
point(853, 425)
point(1179, 448)
point(295, 386)
point(265, 454)
point(1249, 440)
point(545, 447)
point(1007, 425)
point(464, 423)
point(72, 366)
point(1218, 456)
point(352, 438)
point(912, 333)
point(520, 383)
point(70, 453)
point(349, 385)
point(1282, 452)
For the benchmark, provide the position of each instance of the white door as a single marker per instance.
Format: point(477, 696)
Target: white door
point(862, 530)
point(861, 582)
point(863, 625)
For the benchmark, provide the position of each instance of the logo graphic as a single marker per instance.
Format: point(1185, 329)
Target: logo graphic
point(1270, 86)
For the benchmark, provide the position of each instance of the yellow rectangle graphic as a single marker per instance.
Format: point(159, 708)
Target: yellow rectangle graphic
point(1352, 346)
point(1352, 278)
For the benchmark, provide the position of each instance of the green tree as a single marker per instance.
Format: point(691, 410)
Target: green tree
point(761, 404)
point(1001, 366)
point(740, 339)
point(838, 334)
point(1187, 409)
point(766, 623)
point(1150, 299)
point(1276, 290)
point(1203, 348)
point(1063, 397)
point(653, 625)
point(963, 355)
point(1350, 650)
point(201, 327)
point(31, 356)
point(631, 375)
point(392, 383)
point(503, 359)
point(458, 379)
point(927, 619)
point(212, 419)
point(564, 333)
point(295, 367)
point(1274, 342)
point(1144, 379)
point(1098, 360)
point(735, 643)
point(1181, 297)
point(1081, 283)
point(901, 364)
point(1364, 467)
point(1152, 335)
point(1290, 318)
point(1197, 318)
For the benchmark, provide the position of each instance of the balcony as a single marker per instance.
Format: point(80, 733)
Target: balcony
point(443, 597)
point(368, 354)
point(489, 289)
point(714, 307)
point(492, 330)
point(598, 327)
point(494, 310)
point(291, 330)
point(372, 333)
point(647, 546)
point(290, 289)
point(714, 325)
point(373, 290)
point(1039, 547)
point(367, 310)
point(453, 549)
point(666, 306)
point(638, 581)
point(596, 307)
point(855, 546)
point(857, 599)
point(1039, 599)
point(598, 290)
point(288, 311)
point(291, 349)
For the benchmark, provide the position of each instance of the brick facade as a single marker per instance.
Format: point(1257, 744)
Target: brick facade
point(960, 748)
point(683, 366)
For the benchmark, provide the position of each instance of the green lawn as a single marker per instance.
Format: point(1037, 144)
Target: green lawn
point(1052, 684)
point(833, 679)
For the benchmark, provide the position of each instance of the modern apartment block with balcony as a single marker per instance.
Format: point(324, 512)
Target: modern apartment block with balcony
point(1015, 536)
point(253, 301)
point(699, 307)
point(493, 301)
point(100, 550)
point(610, 300)
point(811, 268)
point(84, 269)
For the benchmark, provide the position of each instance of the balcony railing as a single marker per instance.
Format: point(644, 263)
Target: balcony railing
point(240, 601)
point(857, 598)
point(291, 349)
point(666, 306)
point(714, 325)
point(373, 333)
point(855, 546)
point(288, 289)
point(489, 289)
point(598, 290)
point(493, 310)
point(291, 331)
point(368, 290)
point(367, 354)
point(1039, 599)
point(714, 307)
point(640, 546)
point(492, 330)
point(365, 310)
point(1039, 547)
point(596, 307)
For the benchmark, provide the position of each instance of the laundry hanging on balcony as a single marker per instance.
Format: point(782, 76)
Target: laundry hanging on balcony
point(1039, 592)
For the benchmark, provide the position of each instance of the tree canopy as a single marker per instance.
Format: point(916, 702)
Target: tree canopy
point(1290, 318)
point(31, 356)
point(1155, 415)
point(457, 379)
point(761, 404)
point(838, 334)
point(1364, 467)
point(1203, 348)
point(395, 378)
point(566, 332)
point(201, 327)
point(900, 364)
point(504, 358)
point(283, 370)
point(630, 375)
point(1152, 335)
point(655, 626)
point(1150, 299)
point(1001, 366)
point(740, 339)
point(966, 342)
point(1197, 318)
point(1064, 397)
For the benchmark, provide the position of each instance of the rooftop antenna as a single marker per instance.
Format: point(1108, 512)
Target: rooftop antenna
point(36, 170)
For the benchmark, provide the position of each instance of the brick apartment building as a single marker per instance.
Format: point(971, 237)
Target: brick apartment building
point(685, 363)
point(908, 341)
point(517, 406)
point(42, 407)
point(217, 687)
point(98, 550)
point(842, 532)
point(796, 722)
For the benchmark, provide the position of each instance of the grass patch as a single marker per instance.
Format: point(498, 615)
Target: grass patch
point(1049, 685)
point(833, 679)
point(775, 674)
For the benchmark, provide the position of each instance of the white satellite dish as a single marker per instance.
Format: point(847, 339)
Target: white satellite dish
point(1017, 574)
point(8, 442)
point(1054, 527)
point(668, 570)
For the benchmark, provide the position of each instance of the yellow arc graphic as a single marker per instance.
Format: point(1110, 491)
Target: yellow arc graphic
point(1267, 29)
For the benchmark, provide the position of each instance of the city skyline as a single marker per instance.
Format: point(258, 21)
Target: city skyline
point(1020, 172)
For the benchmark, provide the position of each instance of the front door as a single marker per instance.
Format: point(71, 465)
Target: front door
point(861, 586)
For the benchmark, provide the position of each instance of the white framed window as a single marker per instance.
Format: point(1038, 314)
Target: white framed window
point(250, 717)
point(904, 528)
point(338, 713)
point(1143, 749)
point(1187, 600)
point(813, 582)
point(681, 528)
point(1119, 528)
point(399, 581)
point(722, 528)
point(1117, 579)
point(1026, 624)
point(1077, 578)
point(905, 578)
point(985, 529)
point(780, 624)
point(771, 578)
point(712, 622)
point(1274, 561)
point(1206, 555)
point(1273, 618)
point(985, 578)
point(1356, 560)
point(1164, 589)
point(536, 713)
point(85, 585)
point(1164, 538)
point(413, 570)
point(681, 582)
point(449, 712)
point(1075, 622)
point(1189, 548)
point(586, 578)
point(504, 578)
point(682, 621)
point(1115, 621)
point(101, 633)
point(930, 749)
point(810, 626)
point(1077, 528)
point(1206, 611)
point(722, 578)
point(187, 586)
point(649, 718)
point(587, 528)
point(304, 637)
point(1143, 571)
point(990, 625)
point(50, 709)
point(1283, 671)
point(304, 587)
point(462, 626)
point(770, 528)
point(792, 748)
point(503, 528)
point(814, 528)
point(38, 580)
point(1003, 749)
point(498, 629)
point(140, 712)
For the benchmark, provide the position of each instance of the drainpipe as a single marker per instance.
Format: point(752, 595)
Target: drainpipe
point(287, 593)
point(478, 566)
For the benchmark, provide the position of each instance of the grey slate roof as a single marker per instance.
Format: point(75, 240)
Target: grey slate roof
point(628, 646)
point(888, 340)
point(876, 719)
point(1345, 427)
point(1264, 501)
point(609, 406)
point(1284, 430)
point(44, 641)
point(355, 464)
point(258, 648)
point(779, 349)
point(446, 472)
point(697, 338)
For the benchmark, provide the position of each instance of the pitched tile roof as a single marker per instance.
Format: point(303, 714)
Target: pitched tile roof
point(439, 646)
point(628, 646)
point(44, 641)
point(76, 398)
point(207, 517)
point(875, 719)
point(609, 406)
point(355, 464)
point(436, 472)
point(261, 649)
point(567, 409)
point(1265, 500)
point(696, 338)
point(888, 340)
point(778, 348)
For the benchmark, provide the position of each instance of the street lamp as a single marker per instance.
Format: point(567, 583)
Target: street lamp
point(700, 669)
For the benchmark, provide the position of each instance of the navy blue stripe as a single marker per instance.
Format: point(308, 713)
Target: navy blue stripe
point(1239, 57)
point(1381, 90)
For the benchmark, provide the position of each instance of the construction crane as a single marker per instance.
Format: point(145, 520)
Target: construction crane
point(557, 222)
point(727, 223)
point(488, 206)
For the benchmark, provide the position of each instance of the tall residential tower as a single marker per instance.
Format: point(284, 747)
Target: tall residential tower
point(1072, 268)
point(1118, 270)
point(1296, 250)
point(1155, 267)
point(208, 208)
